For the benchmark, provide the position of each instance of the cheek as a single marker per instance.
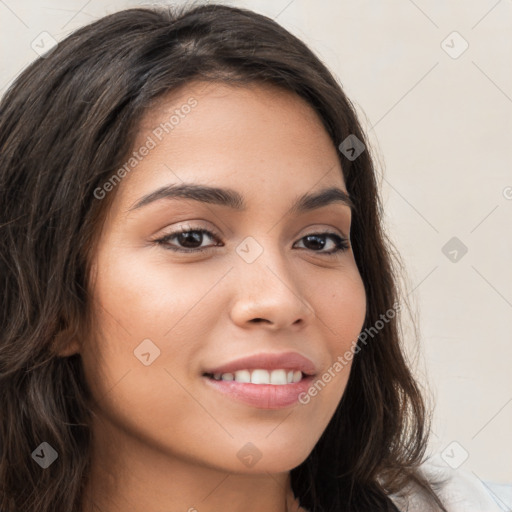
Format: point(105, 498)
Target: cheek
point(151, 318)
point(344, 311)
point(341, 312)
point(138, 364)
point(139, 297)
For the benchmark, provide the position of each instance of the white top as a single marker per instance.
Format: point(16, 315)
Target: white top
point(462, 491)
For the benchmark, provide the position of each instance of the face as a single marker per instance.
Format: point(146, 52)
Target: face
point(255, 275)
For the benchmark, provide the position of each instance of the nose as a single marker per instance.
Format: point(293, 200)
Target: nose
point(270, 293)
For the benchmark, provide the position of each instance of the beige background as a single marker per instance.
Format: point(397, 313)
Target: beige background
point(441, 128)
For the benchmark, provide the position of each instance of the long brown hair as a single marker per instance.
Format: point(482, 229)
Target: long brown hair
point(69, 121)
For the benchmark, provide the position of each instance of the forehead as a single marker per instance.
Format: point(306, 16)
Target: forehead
point(255, 138)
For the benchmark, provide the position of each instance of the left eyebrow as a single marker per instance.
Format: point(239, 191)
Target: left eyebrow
point(233, 199)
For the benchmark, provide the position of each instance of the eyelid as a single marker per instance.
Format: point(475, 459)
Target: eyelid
point(189, 226)
point(310, 229)
point(323, 227)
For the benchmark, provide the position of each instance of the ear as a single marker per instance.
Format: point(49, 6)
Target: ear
point(65, 344)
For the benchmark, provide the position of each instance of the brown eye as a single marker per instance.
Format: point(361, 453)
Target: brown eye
point(188, 240)
point(316, 242)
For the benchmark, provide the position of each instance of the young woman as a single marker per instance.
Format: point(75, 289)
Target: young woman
point(199, 302)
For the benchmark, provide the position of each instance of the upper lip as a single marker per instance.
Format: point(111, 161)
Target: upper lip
point(268, 361)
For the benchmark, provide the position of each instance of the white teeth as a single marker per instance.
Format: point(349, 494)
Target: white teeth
point(275, 377)
point(243, 376)
point(260, 377)
point(278, 377)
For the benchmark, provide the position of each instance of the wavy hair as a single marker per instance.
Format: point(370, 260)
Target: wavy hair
point(66, 123)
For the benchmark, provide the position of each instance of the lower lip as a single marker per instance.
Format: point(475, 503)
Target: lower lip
point(262, 396)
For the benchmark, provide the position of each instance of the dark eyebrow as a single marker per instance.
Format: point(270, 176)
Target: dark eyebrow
point(232, 199)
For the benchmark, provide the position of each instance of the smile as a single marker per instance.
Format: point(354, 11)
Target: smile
point(277, 377)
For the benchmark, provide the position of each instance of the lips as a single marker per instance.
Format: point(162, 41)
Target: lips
point(267, 361)
point(261, 396)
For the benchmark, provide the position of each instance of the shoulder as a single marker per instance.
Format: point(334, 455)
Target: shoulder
point(459, 490)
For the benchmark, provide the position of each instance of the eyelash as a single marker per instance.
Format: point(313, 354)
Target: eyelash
point(341, 246)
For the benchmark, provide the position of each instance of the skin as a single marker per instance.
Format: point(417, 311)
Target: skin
point(162, 440)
